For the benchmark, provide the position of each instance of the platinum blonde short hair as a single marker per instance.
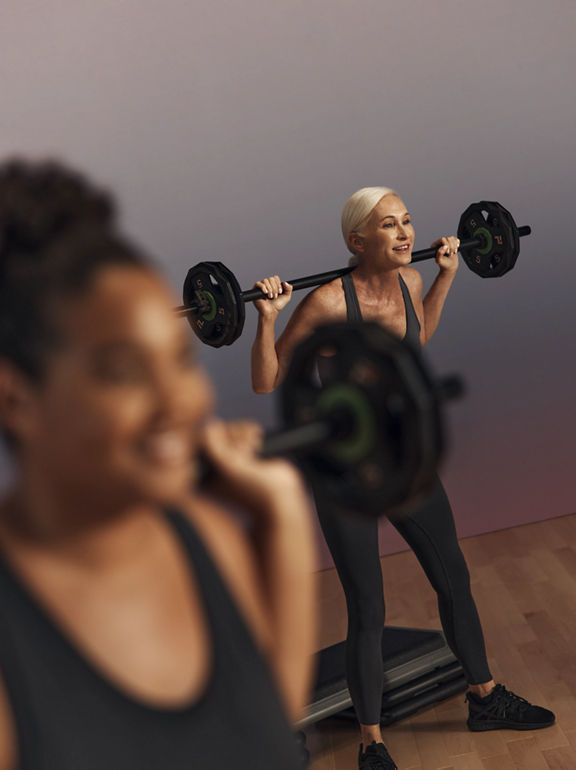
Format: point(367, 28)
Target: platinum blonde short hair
point(358, 207)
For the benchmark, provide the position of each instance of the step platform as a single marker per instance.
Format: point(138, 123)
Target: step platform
point(419, 670)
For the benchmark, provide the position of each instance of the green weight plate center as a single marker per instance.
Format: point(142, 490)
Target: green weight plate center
point(361, 440)
point(211, 314)
point(482, 231)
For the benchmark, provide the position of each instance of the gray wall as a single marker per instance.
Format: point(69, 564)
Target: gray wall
point(236, 130)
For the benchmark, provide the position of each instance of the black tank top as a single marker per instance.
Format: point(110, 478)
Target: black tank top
point(69, 717)
point(353, 312)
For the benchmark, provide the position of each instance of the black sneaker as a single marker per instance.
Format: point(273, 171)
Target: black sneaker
point(375, 758)
point(502, 709)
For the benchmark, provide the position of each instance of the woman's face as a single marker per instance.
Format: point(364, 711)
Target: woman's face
point(120, 407)
point(387, 235)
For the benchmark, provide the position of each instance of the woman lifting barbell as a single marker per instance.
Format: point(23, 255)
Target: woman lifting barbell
point(378, 231)
point(140, 626)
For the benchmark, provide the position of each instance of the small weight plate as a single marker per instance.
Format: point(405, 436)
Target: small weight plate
point(215, 292)
point(495, 225)
point(512, 240)
point(235, 323)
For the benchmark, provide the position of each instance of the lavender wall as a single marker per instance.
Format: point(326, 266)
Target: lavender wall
point(236, 131)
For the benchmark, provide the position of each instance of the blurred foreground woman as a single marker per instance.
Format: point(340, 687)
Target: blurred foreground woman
point(140, 626)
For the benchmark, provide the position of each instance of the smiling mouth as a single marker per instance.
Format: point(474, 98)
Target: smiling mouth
point(168, 449)
point(402, 249)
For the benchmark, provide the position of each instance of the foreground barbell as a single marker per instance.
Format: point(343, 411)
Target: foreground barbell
point(369, 434)
point(214, 303)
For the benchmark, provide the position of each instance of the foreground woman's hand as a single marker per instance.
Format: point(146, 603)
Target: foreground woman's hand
point(274, 576)
point(241, 476)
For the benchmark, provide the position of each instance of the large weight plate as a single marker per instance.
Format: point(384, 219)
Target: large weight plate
point(512, 255)
point(388, 453)
point(214, 290)
point(499, 252)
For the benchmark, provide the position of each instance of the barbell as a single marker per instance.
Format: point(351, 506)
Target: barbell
point(214, 303)
point(370, 432)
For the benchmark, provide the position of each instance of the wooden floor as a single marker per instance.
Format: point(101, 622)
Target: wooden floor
point(524, 583)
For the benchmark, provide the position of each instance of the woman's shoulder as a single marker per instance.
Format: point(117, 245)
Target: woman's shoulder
point(413, 279)
point(228, 544)
point(221, 533)
point(324, 299)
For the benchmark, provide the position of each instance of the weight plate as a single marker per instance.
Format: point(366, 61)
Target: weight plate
point(358, 441)
point(388, 450)
point(215, 293)
point(210, 301)
point(500, 246)
point(510, 254)
point(235, 324)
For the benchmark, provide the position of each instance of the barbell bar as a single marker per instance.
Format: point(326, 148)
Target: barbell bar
point(250, 295)
point(214, 302)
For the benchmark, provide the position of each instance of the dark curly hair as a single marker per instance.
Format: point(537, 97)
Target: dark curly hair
point(57, 232)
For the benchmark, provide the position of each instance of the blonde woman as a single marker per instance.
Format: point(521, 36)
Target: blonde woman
point(378, 231)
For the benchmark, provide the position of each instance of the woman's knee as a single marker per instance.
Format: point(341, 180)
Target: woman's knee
point(367, 613)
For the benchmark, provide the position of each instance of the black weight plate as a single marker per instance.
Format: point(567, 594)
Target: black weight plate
point(473, 223)
point(498, 254)
point(214, 313)
point(504, 237)
point(504, 258)
point(390, 451)
point(510, 254)
point(214, 290)
point(231, 287)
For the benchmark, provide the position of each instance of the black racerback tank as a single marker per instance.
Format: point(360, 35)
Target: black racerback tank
point(68, 716)
point(353, 312)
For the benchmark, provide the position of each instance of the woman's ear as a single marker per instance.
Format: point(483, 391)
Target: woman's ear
point(356, 242)
point(16, 399)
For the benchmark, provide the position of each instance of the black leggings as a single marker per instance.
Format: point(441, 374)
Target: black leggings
point(431, 534)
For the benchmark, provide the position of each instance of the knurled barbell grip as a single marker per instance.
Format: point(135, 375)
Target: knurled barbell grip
point(420, 256)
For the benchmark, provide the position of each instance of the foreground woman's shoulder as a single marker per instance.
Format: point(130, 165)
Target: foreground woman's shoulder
point(7, 732)
point(229, 545)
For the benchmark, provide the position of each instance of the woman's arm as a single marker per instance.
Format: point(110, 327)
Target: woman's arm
point(269, 358)
point(433, 303)
point(269, 566)
point(264, 359)
point(7, 732)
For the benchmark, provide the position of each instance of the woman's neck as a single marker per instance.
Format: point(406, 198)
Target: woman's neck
point(84, 531)
point(377, 280)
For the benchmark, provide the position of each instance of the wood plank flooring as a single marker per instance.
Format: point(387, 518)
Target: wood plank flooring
point(524, 583)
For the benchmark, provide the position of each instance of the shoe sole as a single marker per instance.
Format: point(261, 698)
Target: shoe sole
point(479, 727)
